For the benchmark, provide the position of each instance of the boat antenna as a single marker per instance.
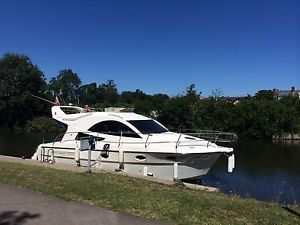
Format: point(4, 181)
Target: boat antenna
point(46, 100)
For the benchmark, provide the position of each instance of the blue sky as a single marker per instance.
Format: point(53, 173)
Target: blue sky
point(160, 46)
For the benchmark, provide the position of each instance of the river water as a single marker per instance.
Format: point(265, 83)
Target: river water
point(265, 170)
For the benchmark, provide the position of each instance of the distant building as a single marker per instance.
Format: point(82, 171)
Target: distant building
point(278, 94)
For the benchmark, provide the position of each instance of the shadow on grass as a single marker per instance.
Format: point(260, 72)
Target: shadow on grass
point(16, 217)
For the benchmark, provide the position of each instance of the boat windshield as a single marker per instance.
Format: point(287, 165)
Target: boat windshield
point(148, 126)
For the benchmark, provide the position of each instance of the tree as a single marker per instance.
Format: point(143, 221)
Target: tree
point(130, 97)
point(143, 103)
point(217, 93)
point(88, 94)
point(212, 114)
point(18, 76)
point(289, 116)
point(264, 94)
point(177, 113)
point(18, 79)
point(65, 85)
point(108, 92)
point(158, 101)
point(191, 93)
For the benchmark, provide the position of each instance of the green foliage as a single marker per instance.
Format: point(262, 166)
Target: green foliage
point(254, 118)
point(88, 94)
point(42, 124)
point(261, 116)
point(18, 79)
point(108, 92)
point(264, 118)
point(66, 85)
point(177, 113)
point(264, 95)
point(289, 120)
point(19, 76)
point(213, 114)
point(139, 100)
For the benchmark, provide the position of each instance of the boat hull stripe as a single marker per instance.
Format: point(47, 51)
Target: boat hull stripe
point(141, 152)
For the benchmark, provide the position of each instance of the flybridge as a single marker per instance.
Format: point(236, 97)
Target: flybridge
point(71, 114)
point(77, 118)
point(76, 109)
point(118, 109)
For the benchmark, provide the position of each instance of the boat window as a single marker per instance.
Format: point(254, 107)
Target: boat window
point(148, 126)
point(113, 128)
point(71, 110)
point(62, 125)
point(80, 136)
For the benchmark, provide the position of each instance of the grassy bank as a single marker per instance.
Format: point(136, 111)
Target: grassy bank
point(170, 204)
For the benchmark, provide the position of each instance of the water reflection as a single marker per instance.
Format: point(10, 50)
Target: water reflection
point(265, 170)
point(20, 144)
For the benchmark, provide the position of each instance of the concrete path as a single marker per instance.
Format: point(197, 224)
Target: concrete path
point(20, 206)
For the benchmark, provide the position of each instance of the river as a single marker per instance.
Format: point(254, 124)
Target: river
point(265, 170)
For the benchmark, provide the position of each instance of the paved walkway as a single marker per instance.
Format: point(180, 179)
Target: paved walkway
point(20, 206)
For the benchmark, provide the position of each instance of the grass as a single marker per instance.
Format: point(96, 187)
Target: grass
point(171, 204)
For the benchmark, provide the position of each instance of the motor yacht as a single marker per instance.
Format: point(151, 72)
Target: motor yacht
point(117, 139)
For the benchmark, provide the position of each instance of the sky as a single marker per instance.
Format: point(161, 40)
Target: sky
point(160, 46)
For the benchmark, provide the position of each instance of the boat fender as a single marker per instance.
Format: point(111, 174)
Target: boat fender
point(175, 168)
point(145, 171)
point(52, 160)
point(231, 163)
point(121, 158)
point(77, 154)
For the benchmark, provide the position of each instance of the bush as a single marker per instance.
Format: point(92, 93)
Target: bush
point(42, 124)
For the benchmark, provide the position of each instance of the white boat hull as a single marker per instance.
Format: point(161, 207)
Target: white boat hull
point(156, 164)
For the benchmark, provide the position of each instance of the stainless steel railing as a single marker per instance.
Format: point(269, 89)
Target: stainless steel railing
point(202, 137)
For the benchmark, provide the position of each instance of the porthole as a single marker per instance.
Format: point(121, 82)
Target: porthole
point(104, 155)
point(140, 157)
point(190, 138)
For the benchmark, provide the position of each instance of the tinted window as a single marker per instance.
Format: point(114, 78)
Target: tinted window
point(70, 110)
point(113, 128)
point(80, 136)
point(148, 126)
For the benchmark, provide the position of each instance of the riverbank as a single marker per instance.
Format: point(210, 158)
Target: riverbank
point(287, 136)
point(166, 203)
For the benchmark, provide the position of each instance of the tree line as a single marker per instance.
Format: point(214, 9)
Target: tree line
point(258, 116)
